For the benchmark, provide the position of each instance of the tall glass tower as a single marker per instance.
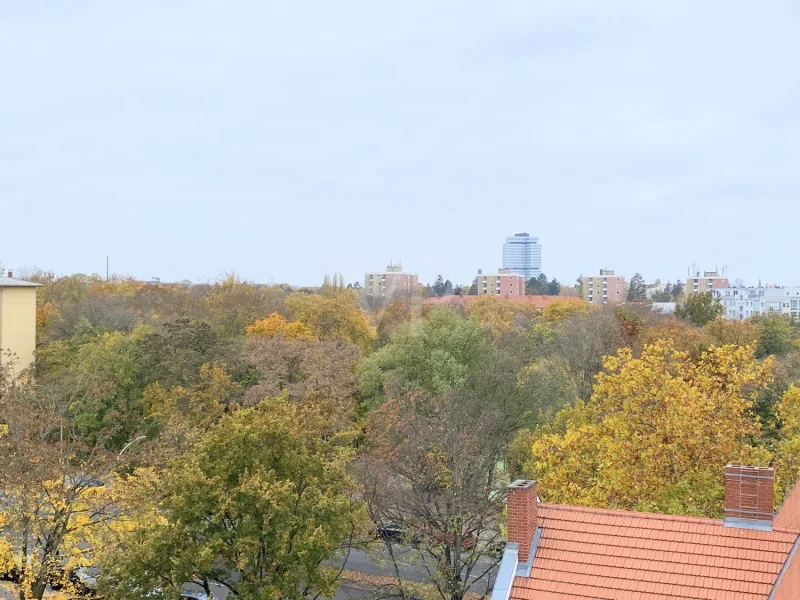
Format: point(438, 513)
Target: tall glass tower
point(523, 254)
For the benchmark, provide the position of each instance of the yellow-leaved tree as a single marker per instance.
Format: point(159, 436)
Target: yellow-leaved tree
point(787, 450)
point(498, 313)
point(561, 310)
point(276, 325)
point(656, 432)
point(60, 490)
point(333, 316)
point(201, 405)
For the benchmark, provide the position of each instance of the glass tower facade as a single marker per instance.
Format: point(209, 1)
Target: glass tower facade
point(522, 254)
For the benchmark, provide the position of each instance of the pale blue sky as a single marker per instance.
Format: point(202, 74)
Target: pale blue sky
point(285, 140)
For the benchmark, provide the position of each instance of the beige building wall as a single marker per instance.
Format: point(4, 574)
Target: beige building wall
point(17, 326)
point(391, 282)
point(709, 281)
point(504, 284)
point(607, 288)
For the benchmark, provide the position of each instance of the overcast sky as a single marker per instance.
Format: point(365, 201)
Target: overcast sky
point(286, 139)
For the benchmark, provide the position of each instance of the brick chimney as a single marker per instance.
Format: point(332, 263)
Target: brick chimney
point(522, 520)
point(749, 497)
point(11, 275)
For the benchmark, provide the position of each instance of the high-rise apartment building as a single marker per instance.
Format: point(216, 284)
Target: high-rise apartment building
point(505, 284)
point(522, 254)
point(390, 283)
point(606, 288)
point(711, 280)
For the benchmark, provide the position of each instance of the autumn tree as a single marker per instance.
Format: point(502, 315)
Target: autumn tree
point(275, 325)
point(435, 355)
point(333, 286)
point(683, 336)
point(431, 464)
point(103, 369)
point(498, 313)
point(737, 333)
point(562, 309)
point(333, 317)
point(233, 304)
point(59, 491)
point(700, 309)
point(300, 368)
point(787, 450)
point(201, 404)
point(173, 352)
point(257, 506)
point(581, 342)
point(656, 432)
point(398, 312)
point(777, 336)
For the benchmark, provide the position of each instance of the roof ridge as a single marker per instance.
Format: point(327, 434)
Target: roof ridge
point(639, 515)
point(786, 530)
point(649, 515)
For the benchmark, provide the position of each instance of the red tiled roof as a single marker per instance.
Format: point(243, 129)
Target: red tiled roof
point(535, 301)
point(612, 555)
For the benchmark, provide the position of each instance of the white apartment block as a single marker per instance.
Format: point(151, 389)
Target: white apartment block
point(742, 303)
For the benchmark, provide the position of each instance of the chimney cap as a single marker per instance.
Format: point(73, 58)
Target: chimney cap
point(522, 483)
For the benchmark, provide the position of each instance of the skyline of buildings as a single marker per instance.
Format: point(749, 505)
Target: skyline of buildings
point(522, 261)
point(522, 253)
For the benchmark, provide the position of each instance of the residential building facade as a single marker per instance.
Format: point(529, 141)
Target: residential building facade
point(746, 302)
point(522, 253)
point(505, 284)
point(390, 283)
point(606, 288)
point(710, 280)
point(17, 323)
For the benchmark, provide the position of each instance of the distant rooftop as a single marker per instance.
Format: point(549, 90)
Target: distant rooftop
point(8, 282)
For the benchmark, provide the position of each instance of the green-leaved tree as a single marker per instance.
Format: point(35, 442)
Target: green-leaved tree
point(700, 309)
point(257, 507)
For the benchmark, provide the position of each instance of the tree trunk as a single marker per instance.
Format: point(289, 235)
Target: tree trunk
point(37, 590)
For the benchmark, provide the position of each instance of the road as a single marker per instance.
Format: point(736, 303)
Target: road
point(409, 564)
point(378, 562)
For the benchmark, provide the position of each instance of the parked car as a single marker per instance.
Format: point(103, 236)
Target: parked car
point(391, 531)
